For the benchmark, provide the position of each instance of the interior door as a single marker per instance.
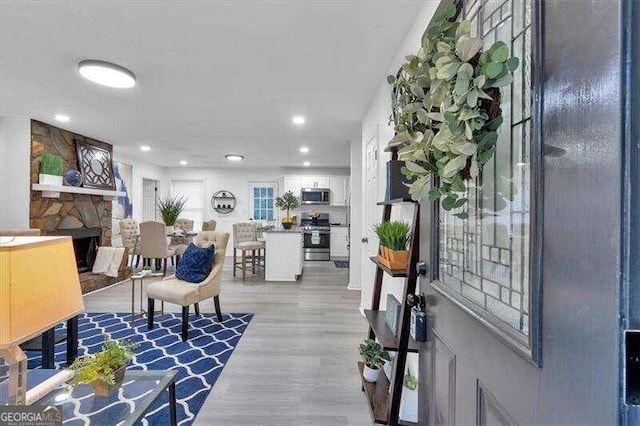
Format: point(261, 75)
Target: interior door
point(546, 213)
point(371, 215)
point(149, 200)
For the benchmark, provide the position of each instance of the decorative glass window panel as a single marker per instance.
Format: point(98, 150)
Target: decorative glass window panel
point(484, 261)
point(262, 201)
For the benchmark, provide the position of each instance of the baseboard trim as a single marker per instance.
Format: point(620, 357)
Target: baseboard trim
point(354, 286)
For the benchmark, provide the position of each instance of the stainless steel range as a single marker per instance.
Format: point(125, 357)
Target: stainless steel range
point(316, 234)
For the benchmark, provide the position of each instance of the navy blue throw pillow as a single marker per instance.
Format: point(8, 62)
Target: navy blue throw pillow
point(195, 264)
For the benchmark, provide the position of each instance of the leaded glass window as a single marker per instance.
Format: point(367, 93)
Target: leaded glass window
point(484, 260)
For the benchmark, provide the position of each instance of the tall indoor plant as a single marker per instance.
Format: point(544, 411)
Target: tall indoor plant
point(446, 109)
point(170, 208)
point(287, 202)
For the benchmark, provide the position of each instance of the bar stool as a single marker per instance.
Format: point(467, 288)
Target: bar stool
point(244, 239)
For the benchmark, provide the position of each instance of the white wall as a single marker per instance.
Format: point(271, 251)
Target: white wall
point(15, 154)
point(237, 182)
point(355, 253)
point(378, 115)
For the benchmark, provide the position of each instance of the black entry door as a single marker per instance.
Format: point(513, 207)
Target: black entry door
point(528, 297)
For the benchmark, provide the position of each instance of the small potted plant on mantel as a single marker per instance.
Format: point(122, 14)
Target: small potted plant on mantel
point(50, 170)
point(374, 359)
point(105, 369)
point(170, 208)
point(287, 202)
point(394, 238)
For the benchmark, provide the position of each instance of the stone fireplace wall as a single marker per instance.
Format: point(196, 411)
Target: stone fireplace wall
point(70, 211)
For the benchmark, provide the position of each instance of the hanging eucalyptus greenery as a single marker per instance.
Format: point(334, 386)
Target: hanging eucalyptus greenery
point(446, 109)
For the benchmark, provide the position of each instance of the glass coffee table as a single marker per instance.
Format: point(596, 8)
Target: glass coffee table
point(126, 406)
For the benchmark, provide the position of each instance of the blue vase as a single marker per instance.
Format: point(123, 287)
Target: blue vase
point(73, 178)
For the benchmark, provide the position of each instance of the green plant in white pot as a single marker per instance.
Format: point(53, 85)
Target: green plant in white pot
point(170, 208)
point(409, 403)
point(50, 170)
point(374, 359)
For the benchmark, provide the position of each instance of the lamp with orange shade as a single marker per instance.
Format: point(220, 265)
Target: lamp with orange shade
point(39, 288)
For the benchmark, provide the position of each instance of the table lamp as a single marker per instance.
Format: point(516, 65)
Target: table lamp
point(39, 288)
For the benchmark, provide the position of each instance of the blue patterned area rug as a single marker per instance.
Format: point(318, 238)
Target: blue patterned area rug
point(199, 361)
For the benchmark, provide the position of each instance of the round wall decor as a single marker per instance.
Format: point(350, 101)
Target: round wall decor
point(223, 202)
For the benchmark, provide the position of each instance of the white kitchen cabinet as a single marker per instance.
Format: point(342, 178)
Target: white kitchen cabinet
point(339, 241)
point(338, 186)
point(279, 267)
point(314, 181)
point(292, 183)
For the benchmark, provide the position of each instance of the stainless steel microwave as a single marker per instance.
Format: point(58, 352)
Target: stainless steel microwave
point(315, 196)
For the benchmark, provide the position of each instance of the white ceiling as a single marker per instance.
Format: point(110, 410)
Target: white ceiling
point(214, 77)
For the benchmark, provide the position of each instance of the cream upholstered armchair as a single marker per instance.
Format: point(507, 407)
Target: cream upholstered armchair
point(209, 225)
point(244, 239)
point(153, 242)
point(130, 232)
point(176, 291)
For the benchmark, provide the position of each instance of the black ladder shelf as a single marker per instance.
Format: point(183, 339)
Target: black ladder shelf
point(384, 396)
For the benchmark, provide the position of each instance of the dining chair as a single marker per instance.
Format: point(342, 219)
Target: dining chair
point(153, 242)
point(130, 232)
point(209, 225)
point(244, 239)
point(179, 243)
point(185, 294)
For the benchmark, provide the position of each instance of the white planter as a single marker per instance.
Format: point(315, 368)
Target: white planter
point(145, 272)
point(409, 405)
point(169, 229)
point(50, 180)
point(370, 375)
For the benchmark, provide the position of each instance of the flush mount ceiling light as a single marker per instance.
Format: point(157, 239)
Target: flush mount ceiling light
point(145, 148)
point(298, 120)
point(183, 163)
point(107, 74)
point(304, 150)
point(306, 164)
point(234, 157)
point(62, 117)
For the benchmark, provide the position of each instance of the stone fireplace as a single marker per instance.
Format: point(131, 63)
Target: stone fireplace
point(86, 218)
point(85, 245)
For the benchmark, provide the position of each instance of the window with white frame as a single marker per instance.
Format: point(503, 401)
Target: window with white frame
point(262, 196)
point(193, 191)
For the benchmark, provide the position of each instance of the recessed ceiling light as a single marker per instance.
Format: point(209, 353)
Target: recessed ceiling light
point(183, 163)
point(234, 157)
point(306, 164)
point(107, 74)
point(304, 149)
point(62, 117)
point(298, 119)
point(145, 148)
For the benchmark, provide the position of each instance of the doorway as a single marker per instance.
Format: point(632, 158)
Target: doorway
point(150, 190)
point(371, 215)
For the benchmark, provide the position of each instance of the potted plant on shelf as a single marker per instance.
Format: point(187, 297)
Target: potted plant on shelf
point(287, 202)
point(105, 369)
point(146, 270)
point(394, 237)
point(374, 359)
point(50, 170)
point(170, 208)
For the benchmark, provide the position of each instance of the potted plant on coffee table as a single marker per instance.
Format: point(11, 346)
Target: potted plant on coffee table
point(394, 238)
point(105, 369)
point(287, 202)
point(170, 208)
point(374, 359)
point(50, 170)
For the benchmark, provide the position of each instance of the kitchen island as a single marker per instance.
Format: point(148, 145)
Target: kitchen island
point(284, 255)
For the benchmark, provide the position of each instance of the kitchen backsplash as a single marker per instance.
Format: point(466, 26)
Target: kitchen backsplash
point(336, 214)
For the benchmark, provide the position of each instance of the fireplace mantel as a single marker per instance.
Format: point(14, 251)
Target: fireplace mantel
point(53, 191)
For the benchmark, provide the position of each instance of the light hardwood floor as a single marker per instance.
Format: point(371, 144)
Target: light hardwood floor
point(296, 363)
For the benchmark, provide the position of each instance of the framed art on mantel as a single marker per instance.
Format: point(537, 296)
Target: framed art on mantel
point(95, 165)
